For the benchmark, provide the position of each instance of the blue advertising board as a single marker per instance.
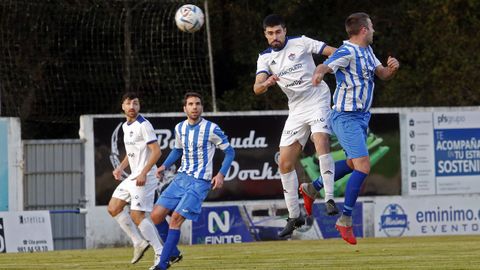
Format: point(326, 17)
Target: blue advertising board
point(327, 223)
point(220, 225)
point(457, 152)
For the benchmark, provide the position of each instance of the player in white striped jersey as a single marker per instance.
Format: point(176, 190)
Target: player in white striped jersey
point(289, 63)
point(138, 189)
point(195, 141)
point(355, 66)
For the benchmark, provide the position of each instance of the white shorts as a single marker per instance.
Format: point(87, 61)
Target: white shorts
point(140, 198)
point(299, 125)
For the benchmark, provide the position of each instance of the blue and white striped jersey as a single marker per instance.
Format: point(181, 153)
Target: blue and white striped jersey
point(354, 69)
point(136, 136)
point(294, 66)
point(198, 143)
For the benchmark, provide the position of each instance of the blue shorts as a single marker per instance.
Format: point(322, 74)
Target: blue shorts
point(185, 195)
point(351, 131)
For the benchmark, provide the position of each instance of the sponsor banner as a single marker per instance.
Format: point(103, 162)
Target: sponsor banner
point(456, 120)
point(259, 222)
point(426, 216)
point(254, 173)
point(457, 152)
point(443, 153)
point(220, 225)
point(25, 232)
point(4, 164)
point(327, 223)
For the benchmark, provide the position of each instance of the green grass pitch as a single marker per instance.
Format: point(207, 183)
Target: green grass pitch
point(443, 252)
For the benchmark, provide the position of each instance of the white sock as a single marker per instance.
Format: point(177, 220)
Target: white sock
point(151, 234)
point(327, 170)
point(127, 225)
point(290, 192)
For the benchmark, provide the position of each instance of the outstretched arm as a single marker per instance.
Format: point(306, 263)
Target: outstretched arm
point(217, 181)
point(388, 72)
point(319, 73)
point(263, 82)
point(328, 50)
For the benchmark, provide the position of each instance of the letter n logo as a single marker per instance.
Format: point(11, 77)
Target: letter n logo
point(215, 222)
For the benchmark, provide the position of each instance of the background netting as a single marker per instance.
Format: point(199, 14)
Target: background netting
point(61, 59)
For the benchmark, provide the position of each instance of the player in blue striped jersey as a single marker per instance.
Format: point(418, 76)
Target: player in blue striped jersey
point(195, 141)
point(355, 66)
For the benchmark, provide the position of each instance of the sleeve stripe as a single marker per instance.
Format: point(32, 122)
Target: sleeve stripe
point(263, 71)
point(322, 48)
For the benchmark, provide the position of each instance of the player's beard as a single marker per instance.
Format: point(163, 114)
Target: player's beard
point(276, 44)
point(370, 40)
point(132, 114)
point(195, 115)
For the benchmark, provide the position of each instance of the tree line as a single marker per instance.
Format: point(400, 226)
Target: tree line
point(435, 42)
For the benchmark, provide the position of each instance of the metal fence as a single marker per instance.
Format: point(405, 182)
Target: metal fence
point(54, 180)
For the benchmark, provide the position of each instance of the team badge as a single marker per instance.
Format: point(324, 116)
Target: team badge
point(291, 56)
point(365, 73)
point(394, 220)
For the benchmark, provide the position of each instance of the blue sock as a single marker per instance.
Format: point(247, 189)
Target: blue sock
point(352, 190)
point(172, 241)
point(162, 229)
point(341, 169)
point(318, 183)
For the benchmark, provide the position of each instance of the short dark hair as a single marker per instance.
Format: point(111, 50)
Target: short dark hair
point(355, 22)
point(192, 94)
point(273, 20)
point(129, 95)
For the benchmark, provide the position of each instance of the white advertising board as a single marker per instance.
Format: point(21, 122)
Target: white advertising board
point(28, 231)
point(443, 152)
point(427, 215)
point(421, 174)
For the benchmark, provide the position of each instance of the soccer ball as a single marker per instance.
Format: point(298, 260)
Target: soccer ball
point(189, 18)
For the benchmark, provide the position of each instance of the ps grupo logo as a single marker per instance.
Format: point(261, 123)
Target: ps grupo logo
point(393, 221)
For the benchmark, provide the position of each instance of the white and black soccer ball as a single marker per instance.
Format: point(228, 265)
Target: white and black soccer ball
point(189, 18)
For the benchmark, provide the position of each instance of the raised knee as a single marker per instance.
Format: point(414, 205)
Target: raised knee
point(365, 170)
point(363, 167)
